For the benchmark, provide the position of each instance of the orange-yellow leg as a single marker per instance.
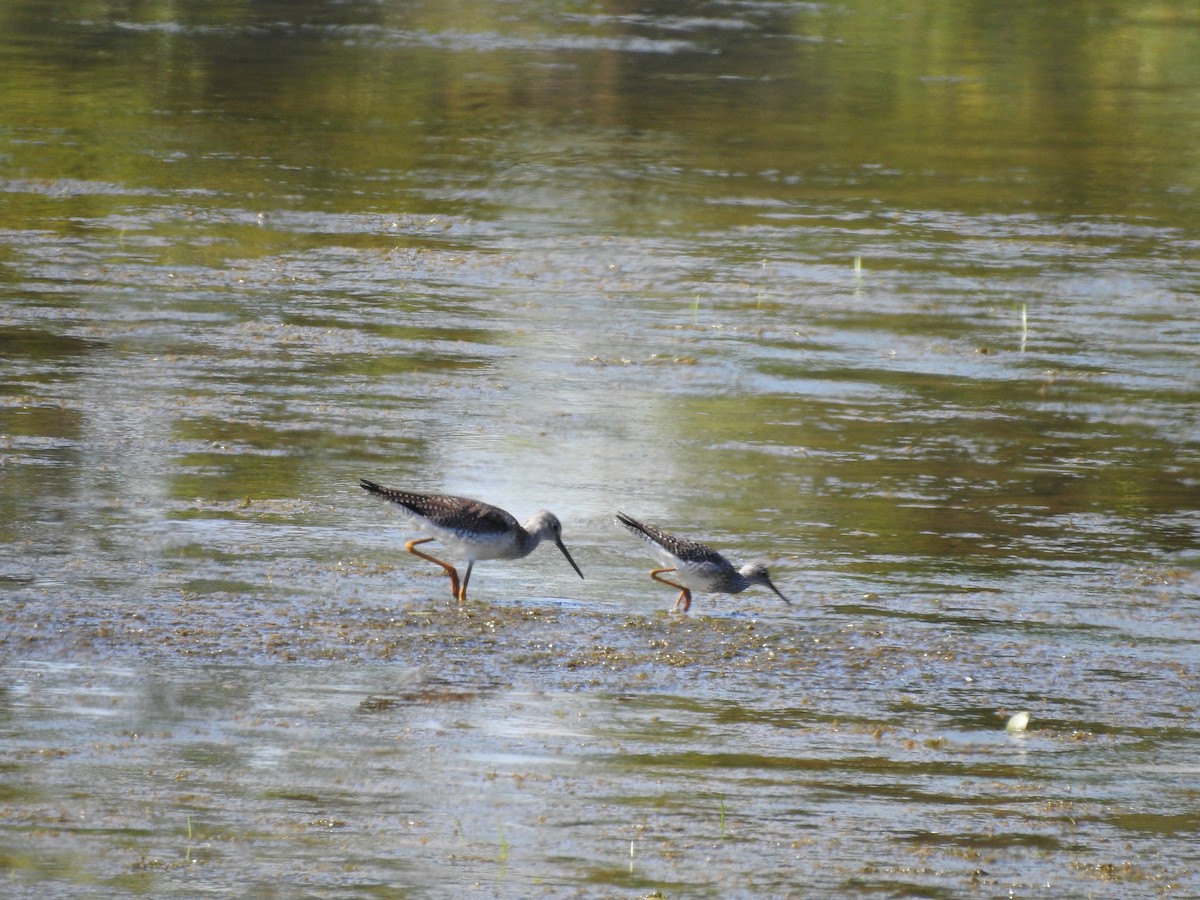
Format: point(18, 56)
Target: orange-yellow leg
point(685, 596)
point(411, 547)
point(462, 593)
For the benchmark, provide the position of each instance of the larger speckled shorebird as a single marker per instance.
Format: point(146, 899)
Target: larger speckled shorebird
point(471, 529)
point(697, 566)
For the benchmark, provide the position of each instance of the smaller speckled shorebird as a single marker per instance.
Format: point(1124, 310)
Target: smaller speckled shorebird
point(473, 529)
point(698, 567)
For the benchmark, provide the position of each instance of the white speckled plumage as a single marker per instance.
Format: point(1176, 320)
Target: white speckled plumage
point(696, 566)
point(472, 529)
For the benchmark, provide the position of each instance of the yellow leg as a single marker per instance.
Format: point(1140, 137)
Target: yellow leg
point(411, 547)
point(685, 596)
point(462, 592)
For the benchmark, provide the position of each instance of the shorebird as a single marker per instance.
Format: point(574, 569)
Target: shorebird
point(698, 567)
point(473, 529)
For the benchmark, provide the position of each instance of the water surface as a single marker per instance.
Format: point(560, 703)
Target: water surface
point(900, 296)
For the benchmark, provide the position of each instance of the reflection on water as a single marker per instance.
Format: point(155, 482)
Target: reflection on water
point(776, 771)
point(898, 296)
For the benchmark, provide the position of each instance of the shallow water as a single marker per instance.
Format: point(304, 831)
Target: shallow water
point(899, 296)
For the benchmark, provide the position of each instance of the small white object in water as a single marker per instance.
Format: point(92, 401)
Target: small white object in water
point(1018, 722)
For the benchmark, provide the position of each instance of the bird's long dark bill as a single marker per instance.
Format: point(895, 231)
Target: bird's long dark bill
point(563, 547)
point(778, 594)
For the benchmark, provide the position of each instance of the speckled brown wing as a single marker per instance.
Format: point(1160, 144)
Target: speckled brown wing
point(460, 515)
point(683, 550)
